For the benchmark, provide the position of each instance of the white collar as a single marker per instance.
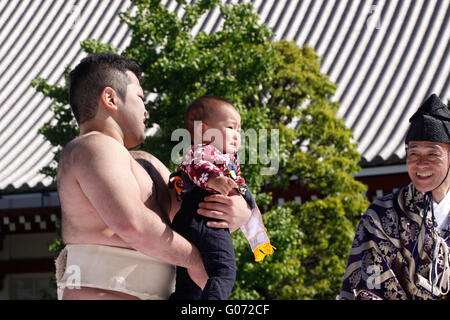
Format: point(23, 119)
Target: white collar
point(442, 210)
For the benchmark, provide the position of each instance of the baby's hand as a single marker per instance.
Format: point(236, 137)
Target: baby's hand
point(222, 184)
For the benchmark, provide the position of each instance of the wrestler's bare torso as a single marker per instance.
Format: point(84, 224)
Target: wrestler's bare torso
point(81, 223)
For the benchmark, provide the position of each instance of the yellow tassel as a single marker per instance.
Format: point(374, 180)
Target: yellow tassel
point(263, 250)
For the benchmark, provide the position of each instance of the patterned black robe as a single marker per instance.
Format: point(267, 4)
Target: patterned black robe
point(382, 263)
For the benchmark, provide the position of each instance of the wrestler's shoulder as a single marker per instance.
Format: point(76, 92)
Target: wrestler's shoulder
point(94, 141)
point(85, 147)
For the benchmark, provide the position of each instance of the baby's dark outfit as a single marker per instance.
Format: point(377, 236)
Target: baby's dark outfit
point(215, 245)
point(216, 249)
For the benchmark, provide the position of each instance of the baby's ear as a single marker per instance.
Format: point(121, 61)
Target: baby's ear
point(199, 130)
point(205, 128)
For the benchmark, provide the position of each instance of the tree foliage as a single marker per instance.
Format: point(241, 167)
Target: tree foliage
point(314, 147)
point(277, 87)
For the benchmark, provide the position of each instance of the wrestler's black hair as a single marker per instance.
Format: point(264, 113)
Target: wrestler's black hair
point(95, 72)
point(201, 109)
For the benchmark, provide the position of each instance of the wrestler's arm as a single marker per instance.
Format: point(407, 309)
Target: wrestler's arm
point(110, 186)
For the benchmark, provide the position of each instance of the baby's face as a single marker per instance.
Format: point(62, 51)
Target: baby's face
point(227, 124)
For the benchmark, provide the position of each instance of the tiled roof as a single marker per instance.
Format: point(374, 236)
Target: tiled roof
point(385, 56)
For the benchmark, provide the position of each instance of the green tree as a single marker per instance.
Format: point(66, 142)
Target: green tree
point(277, 87)
point(314, 147)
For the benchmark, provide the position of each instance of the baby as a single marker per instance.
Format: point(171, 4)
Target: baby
point(213, 167)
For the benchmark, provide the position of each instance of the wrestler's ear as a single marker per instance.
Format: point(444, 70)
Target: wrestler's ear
point(109, 99)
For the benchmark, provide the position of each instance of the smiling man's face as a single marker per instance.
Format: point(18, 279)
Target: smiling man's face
point(428, 164)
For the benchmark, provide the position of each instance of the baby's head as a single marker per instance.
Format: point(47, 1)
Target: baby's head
point(220, 123)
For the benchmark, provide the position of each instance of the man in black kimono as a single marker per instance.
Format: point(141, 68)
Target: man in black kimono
point(401, 246)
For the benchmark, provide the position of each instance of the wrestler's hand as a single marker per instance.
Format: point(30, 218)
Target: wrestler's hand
point(222, 184)
point(232, 210)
